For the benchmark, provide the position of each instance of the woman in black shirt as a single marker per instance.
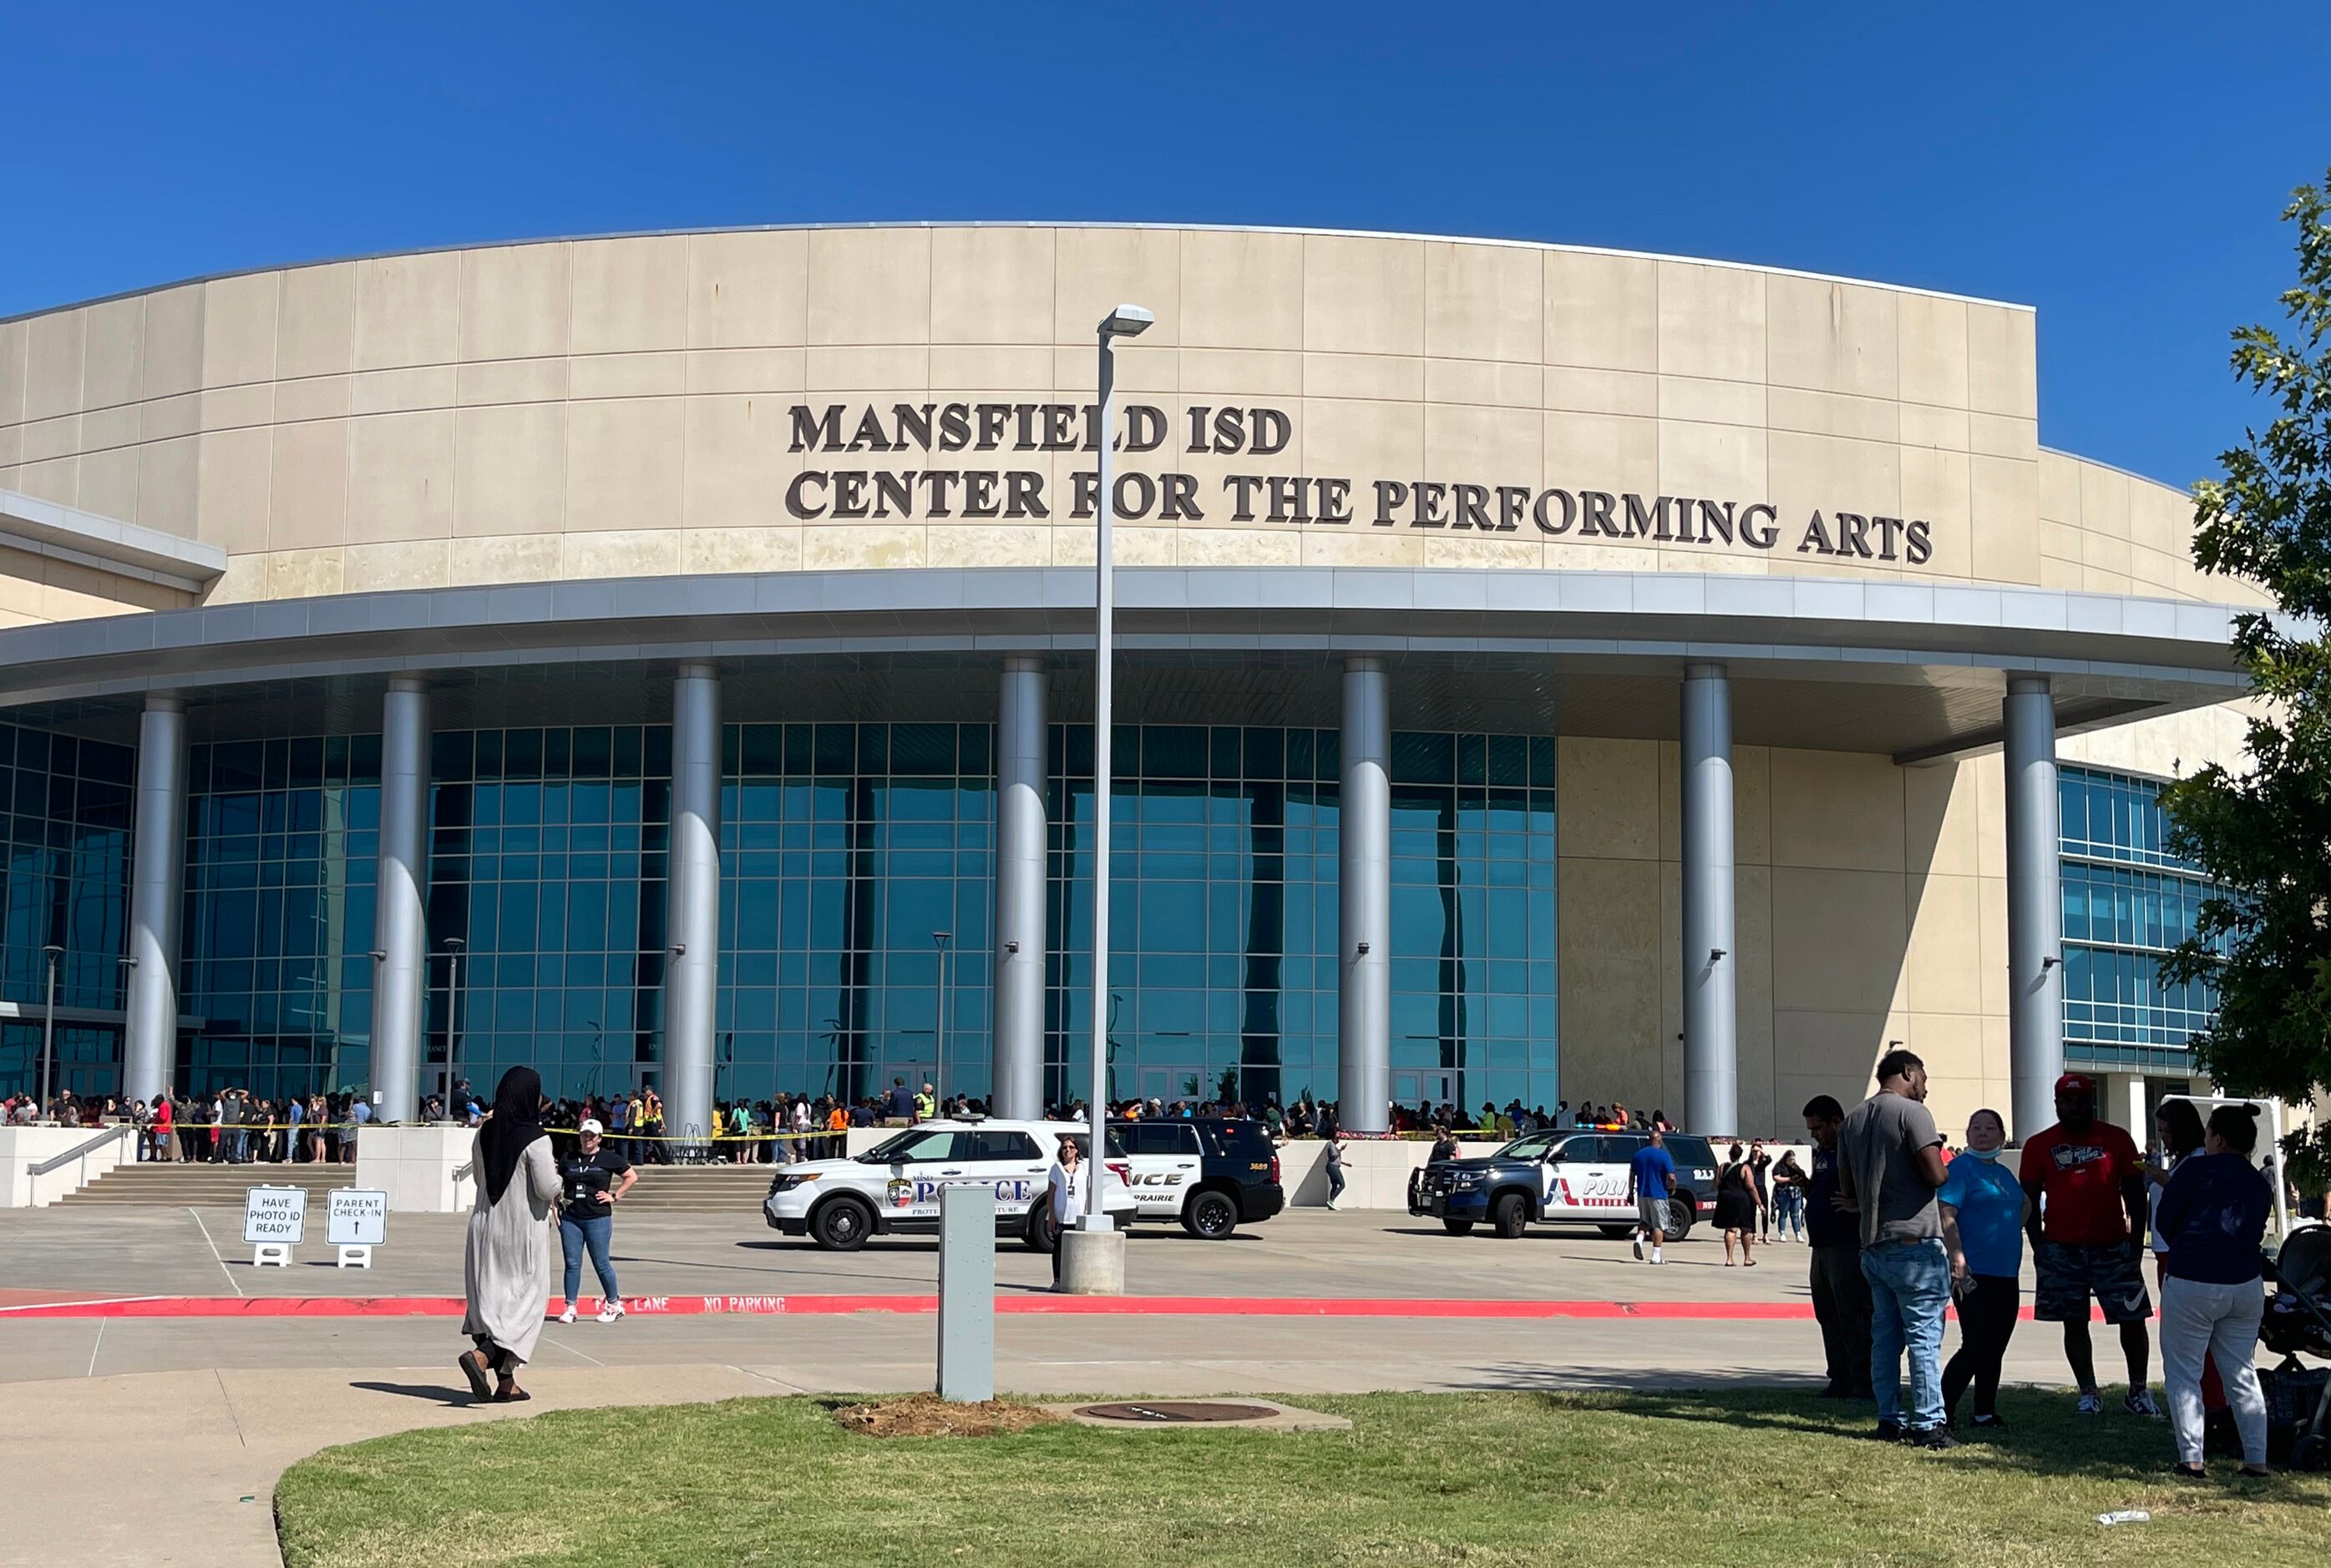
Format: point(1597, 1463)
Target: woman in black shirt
point(591, 1180)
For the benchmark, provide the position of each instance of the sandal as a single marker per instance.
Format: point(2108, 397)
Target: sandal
point(513, 1394)
point(474, 1367)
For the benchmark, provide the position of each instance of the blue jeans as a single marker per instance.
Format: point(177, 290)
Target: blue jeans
point(1788, 1209)
point(1909, 1287)
point(574, 1236)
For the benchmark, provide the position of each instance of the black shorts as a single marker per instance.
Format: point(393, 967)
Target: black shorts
point(2069, 1275)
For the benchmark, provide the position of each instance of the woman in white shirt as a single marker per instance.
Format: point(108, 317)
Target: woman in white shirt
point(1066, 1184)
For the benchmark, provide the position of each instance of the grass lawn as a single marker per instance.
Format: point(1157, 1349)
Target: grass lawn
point(1673, 1480)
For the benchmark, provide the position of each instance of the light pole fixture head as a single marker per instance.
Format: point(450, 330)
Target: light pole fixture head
point(455, 944)
point(53, 949)
point(1126, 321)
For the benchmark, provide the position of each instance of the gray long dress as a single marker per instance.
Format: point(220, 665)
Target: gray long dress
point(506, 1265)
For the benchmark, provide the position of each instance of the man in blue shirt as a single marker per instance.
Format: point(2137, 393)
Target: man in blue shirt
point(1651, 1177)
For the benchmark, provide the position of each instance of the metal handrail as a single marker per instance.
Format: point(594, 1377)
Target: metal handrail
point(461, 1171)
point(109, 1136)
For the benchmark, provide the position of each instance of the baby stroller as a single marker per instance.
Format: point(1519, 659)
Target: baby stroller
point(2298, 1323)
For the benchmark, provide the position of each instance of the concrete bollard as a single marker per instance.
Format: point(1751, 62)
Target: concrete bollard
point(968, 1294)
point(1092, 1262)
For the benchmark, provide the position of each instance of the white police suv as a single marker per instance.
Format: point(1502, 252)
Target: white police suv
point(1564, 1178)
point(894, 1187)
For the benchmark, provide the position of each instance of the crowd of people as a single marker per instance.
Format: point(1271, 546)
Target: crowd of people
point(230, 1126)
point(1898, 1233)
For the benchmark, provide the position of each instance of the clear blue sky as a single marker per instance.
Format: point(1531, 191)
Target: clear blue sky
point(2117, 166)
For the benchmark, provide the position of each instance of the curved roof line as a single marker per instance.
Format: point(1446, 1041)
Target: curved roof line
point(1017, 223)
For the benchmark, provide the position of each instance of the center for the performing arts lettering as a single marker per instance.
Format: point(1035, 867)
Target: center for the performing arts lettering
point(959, 489)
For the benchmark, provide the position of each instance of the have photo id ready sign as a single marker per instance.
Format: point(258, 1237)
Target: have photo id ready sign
point(275, 1216)
point(356, 1217)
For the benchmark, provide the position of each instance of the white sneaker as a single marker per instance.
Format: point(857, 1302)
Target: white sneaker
point(567, 1316)
point(1655, 1256)
point(2092, 1404)
point(2139, 1402)
point(1639, 1248)
point(611, 1311)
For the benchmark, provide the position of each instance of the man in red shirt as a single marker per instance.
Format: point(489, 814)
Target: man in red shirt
point(2086, 1223)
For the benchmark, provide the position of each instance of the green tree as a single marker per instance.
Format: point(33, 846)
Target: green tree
point(2265, 835)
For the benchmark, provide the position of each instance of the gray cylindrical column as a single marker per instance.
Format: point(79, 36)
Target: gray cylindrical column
point(1710, 1043)
point(1364, 1030)
point(1018, 1087)
point(692, 958)
point(401, 913)
point(156, 888)
point(2035, 908)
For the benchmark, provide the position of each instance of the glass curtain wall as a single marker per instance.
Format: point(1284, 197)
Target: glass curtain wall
point(276, 932)
point(2128, 900)
point(848, 849)
point(548, 862)
point(64, 835)
point(1224, 980)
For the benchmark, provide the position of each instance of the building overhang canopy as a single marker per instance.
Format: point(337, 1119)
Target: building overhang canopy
point(66, 533)
point(1914, 670)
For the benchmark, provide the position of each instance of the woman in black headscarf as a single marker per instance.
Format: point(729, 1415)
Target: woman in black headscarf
point(506, 1265)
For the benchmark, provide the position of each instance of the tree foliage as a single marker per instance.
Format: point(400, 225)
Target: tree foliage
point(2265, 835)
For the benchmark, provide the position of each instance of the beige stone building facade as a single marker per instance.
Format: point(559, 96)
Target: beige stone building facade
point(843, 475)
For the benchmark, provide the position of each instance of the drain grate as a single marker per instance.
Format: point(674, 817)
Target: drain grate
point(1177, 1412)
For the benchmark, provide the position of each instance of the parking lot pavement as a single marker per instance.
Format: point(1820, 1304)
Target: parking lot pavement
point(206, 1411)
point(1303, 1253)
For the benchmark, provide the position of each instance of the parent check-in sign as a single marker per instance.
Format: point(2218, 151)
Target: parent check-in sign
point(356, 1217)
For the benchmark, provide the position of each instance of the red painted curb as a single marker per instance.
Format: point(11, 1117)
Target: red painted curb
point(829, 1306)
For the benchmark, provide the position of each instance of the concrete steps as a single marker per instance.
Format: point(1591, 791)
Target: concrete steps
point(177, 1184)
point(701, 1190)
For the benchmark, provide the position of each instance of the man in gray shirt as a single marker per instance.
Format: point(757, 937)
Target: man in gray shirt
point(1890, 1163)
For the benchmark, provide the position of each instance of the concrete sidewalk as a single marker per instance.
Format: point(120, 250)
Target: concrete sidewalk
point(179, 1467)
point(190, 1444)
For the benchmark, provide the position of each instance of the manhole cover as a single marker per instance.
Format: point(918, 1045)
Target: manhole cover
point(1177, 1412)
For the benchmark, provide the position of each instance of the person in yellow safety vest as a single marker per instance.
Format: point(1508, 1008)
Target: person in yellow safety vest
point(927, 1105)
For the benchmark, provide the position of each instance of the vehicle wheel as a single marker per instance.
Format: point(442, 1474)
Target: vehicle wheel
point(1509, 1215)
point(1211, 1216)
point(842, 1225)
point(1457, 1227)
point(1038, 1231)
point(2311, 1453)
point(1683, 1208)
point(1616, 1232)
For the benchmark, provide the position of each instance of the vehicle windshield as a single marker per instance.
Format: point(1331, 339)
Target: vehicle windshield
point(1533, 1147)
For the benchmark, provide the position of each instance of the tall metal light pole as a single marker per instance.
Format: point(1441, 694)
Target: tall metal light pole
point(1125, 321)
point(453, 946)
point(49, 1027)
point(940, 939)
